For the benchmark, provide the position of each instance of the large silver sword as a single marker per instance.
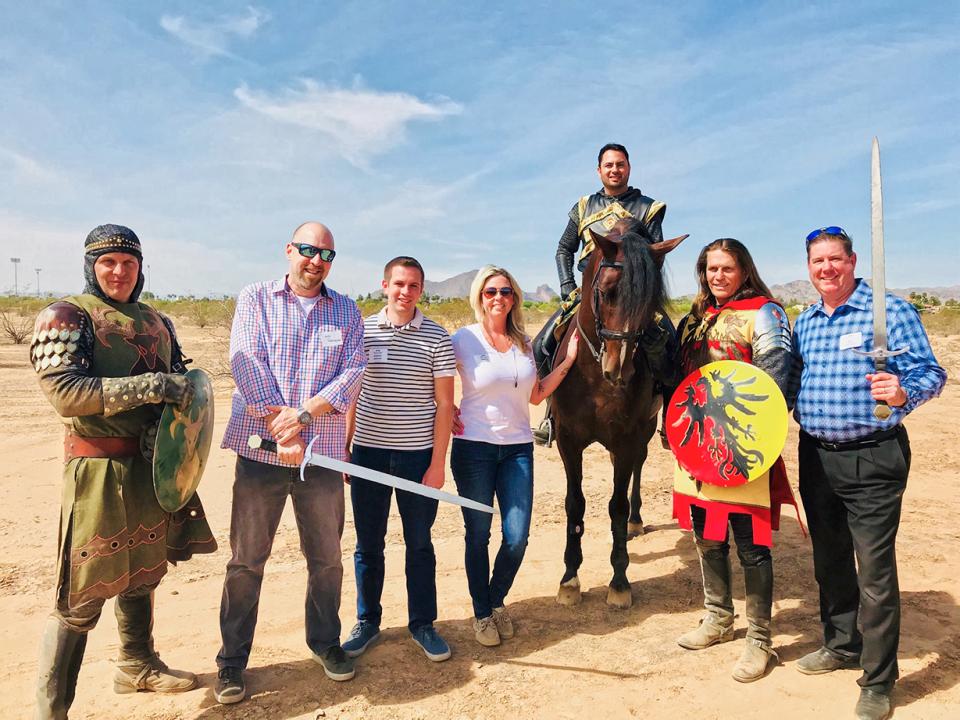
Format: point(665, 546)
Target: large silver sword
point(878, 284)
point(256, 442)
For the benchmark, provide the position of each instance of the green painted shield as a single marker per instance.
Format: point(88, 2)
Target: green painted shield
point(183, 445)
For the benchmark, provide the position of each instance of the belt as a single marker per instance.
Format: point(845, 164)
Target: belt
point(870, 440)
point(77, 446)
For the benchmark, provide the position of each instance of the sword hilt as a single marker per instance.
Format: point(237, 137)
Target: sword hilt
point(255, 442)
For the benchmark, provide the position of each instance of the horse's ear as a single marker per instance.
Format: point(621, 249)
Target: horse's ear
point(660, 249)
point(608, 244)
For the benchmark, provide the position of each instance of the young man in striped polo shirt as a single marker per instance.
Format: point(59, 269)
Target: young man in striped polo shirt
point(401, 426)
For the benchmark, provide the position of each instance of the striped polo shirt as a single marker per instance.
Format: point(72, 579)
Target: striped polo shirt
point(396, 407)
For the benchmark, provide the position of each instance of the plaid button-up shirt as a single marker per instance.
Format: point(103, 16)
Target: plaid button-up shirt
point(280, 355)
point(833, 401)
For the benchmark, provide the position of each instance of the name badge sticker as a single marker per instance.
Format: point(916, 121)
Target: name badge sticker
point(378, 355)
point(331, 338)
point(851, 340)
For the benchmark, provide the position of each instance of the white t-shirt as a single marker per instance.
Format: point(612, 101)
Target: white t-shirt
point(495, 406)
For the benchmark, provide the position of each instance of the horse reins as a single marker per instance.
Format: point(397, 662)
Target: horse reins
point(628, 338)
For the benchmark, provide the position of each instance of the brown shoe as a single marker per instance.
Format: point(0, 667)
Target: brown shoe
point(151, 675)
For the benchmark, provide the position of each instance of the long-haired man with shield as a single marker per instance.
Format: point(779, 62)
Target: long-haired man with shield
point(854, 456)
point(724, 431)
point(108, 363)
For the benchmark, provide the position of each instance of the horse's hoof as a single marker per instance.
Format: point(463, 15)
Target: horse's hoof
point(569, 593)
point(621, 599)
point(634, 529)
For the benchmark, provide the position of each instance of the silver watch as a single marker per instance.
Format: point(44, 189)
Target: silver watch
point(303, 416)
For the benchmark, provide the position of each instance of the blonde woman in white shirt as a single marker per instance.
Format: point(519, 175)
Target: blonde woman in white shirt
point(493, 455)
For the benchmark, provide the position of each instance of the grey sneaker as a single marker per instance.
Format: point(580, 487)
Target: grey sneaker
point(336, 664)
point(485, 631)
point(230, 688)
point(503, 623)
point(363, 635)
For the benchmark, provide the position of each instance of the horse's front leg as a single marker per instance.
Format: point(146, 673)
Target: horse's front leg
point(619, 595)
point(575, 505)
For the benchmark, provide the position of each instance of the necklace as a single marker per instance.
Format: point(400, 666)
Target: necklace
point(513, 352)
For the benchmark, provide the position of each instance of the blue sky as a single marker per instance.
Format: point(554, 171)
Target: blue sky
point(462, 133)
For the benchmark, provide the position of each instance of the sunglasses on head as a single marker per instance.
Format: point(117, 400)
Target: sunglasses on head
point(831, 230)
point(492, 292)
point(311, 251)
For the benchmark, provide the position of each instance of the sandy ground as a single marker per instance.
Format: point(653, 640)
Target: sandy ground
point(587, 661)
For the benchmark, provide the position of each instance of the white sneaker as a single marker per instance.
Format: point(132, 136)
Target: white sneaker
point(485, 631)
point(503, 622)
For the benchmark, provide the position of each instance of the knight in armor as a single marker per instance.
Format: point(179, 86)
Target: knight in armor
point(734, 318)
point(108, 363)
point(597, 214)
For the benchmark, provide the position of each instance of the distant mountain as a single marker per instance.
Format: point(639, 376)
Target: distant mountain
point(457, 286)
point(802, 290)
point(544, 293)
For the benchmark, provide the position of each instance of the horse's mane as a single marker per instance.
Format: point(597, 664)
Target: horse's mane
point(641, 290)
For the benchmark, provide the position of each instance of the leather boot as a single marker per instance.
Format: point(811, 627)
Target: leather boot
point(61, 652)
point(139, 667)
point(755, 659)
point(717, 624)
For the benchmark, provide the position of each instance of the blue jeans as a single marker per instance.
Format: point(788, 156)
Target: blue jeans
point(371, 506)
point(260, 492)
point(482, 470)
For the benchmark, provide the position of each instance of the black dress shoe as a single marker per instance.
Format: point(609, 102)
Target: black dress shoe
point(822, 661)
point(873, 705)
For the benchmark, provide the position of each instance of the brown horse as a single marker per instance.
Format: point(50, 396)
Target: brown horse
point(609, 395)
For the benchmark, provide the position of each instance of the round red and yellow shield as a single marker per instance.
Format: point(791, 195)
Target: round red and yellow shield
point(727, 423)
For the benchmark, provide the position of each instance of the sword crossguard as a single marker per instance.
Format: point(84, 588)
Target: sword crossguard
point(880, 353)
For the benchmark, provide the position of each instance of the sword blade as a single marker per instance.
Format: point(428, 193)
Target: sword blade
point(878, 279)
point(382, 478)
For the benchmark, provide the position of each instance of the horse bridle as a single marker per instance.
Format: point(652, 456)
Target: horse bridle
point(628, 338)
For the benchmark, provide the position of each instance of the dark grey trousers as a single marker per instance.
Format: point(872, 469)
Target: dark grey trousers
point(852, 499)
point(260, 492)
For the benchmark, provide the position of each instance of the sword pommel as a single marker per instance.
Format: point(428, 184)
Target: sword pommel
point(255, 442)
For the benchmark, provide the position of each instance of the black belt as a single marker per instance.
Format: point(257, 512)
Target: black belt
point(870, 440)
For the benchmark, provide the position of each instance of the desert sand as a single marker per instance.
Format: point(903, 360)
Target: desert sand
point(589, 661)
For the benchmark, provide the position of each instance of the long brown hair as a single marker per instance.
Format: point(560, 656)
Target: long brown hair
point(752, 285)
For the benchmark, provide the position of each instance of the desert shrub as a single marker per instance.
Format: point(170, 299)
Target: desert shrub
point(945, 322)
point(16, 325)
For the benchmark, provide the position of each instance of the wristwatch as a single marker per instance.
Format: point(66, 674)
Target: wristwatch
point(303, 416)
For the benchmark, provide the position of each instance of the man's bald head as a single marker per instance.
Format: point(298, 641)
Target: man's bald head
point(314, 233)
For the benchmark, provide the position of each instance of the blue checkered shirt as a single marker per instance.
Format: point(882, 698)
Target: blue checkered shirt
point(281, 356)
point(833, 402)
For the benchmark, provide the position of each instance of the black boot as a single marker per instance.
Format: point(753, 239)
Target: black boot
point(139, 667)
point(755, 659)
point(717, 625)
point(61, 652)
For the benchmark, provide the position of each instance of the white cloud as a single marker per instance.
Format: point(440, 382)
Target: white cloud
point(213, 38)
point(361, 123)
point(27, 168)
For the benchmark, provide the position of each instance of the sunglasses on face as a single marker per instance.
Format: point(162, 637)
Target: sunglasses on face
point(831, 230)
point(311, 251)
point(492, 292)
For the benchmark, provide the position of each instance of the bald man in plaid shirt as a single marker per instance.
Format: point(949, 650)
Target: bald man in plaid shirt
point(853, 466)
point(296, 352)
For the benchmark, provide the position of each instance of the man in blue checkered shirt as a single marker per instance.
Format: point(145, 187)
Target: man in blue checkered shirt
point(853, 467)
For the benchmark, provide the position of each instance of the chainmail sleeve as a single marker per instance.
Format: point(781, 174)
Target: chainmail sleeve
point(178, 363)
point(566, 249)
point(771, 344)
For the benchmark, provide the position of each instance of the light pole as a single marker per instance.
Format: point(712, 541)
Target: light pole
point(149, 290)
point(38, 281)
point(15, 261)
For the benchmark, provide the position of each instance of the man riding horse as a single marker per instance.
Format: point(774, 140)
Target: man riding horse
point(593, 215)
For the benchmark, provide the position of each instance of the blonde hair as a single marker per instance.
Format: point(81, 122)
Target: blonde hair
point(515, 317)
